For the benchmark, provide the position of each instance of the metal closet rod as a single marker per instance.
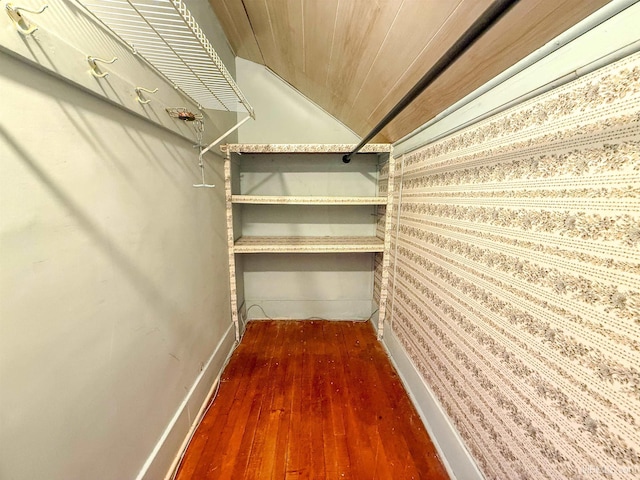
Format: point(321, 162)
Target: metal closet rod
point(488, 18)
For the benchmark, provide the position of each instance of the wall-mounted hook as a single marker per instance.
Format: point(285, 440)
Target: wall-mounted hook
point(142, 89)
point(94, 68)
point(22, 25)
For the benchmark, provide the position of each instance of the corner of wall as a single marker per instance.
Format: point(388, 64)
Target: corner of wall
point(283, 114)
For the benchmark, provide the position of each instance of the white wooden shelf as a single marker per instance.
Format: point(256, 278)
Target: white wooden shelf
point(308, 244)
point(324, 254)
point(305, 148)
point(306, 200)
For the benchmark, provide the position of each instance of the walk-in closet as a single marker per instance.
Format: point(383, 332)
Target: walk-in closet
point(304, 239)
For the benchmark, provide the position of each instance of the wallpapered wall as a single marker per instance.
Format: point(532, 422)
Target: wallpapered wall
point(516, 290)
point(381, 261)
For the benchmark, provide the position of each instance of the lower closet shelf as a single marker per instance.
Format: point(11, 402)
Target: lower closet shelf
point(308, 244)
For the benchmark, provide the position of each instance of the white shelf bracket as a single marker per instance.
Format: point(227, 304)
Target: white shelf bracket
point(204, 184)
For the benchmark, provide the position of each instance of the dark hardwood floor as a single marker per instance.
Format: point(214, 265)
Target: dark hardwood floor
point(313, 400)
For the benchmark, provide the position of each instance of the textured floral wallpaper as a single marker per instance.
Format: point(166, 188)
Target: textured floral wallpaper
point(516, 280)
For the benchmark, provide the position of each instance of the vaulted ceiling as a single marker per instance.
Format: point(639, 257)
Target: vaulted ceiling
point(358, 58)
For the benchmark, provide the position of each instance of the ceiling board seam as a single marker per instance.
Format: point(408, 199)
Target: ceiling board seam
point(233, 27)
point(333, 38)
point(273, 33)
point(304, 56)
point(408, 69)
point(253, 32)
point(377, 53)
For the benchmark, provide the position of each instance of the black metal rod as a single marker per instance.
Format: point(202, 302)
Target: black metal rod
point(497, 9)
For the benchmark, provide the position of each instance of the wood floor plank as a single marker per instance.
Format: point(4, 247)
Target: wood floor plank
point(259, 454)
point(232, 406)
point(242, 459)
point(296, 448)
point(358, 420)
point(283, 403)
point(224, 400)
point(274, 404)
point(238, 367)
point(328, 436)
point(310, 400)
point(336, 400)
point(392, 455)
point(316, 392)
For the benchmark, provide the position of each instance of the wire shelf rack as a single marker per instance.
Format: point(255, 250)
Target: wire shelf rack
point(167, 36)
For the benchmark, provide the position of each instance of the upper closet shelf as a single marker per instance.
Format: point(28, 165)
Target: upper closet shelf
point(306, 200)
point(165, 34)
point(305, 148)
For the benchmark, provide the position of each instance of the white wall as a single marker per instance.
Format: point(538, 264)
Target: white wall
point(308, 286)
point(284, 115)
point(113, 283)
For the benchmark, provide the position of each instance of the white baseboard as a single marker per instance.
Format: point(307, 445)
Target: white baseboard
point(173, 440)
point(453, 453)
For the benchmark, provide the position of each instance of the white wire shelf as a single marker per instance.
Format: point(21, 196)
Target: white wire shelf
point(165, 33)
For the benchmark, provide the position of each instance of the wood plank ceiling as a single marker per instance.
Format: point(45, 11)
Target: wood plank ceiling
point(358, 58)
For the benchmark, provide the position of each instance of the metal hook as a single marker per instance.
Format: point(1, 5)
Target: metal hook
point(94, 68)
point(24, 27)
point(140, 99)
